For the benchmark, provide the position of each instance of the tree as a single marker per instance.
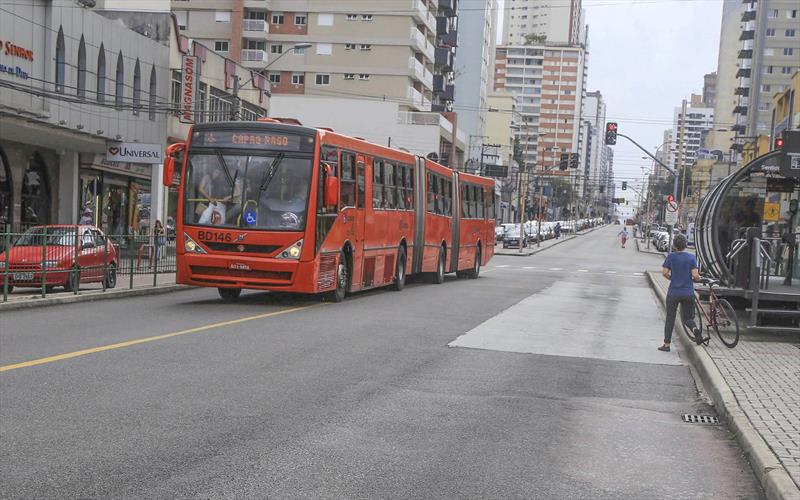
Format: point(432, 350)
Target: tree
point(517, 154)
point(534, 39)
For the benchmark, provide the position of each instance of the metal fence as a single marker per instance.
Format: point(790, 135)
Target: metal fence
point(74, 258)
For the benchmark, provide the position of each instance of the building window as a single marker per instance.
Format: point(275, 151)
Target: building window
point(772, 13)
point(769, 52)
point(770, 31)
point(137, 88)
point(365, 46)
point(766, 88)
point(298, 79)
point(769, 69)
point(323, 79)
point(61, 63)
point(349, 76)
point(221, 45)
point(152, 95)
point(35, 196)
point(788, 51)
point(352, 17)
point(119, 95)
point(786, 70)
point(222, 16)
point(182, 17)
point(790, 33)
point(366, 17)
point(324, 19)
point(274, 78)
point(363, 76)
point(276, 49)
point(300, 19)
point(349, 46)
point(81, 68)
point(277, 18)
point(101, 74)
point(324, 49)
point(791, 14)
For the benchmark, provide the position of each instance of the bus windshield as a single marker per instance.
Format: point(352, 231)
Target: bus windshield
point(268, 192)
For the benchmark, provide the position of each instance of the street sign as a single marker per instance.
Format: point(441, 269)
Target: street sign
point(772, 212)
point(671, 218)
point(495, 171)
point(672, 206)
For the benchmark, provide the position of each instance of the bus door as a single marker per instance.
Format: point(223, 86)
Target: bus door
point(455, 253)
point(420, 204)
point(357, 216)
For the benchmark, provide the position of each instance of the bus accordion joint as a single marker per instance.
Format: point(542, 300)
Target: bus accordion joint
point(331, 187)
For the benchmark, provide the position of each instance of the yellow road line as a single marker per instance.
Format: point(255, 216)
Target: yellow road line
point(129, 343)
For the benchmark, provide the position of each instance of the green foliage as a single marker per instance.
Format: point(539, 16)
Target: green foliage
point(534, 39)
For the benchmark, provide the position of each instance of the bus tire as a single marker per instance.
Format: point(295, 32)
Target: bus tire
point(476, 268)
point(438, 276)
point(229, 294)
point(342, 280)
point(400, 270)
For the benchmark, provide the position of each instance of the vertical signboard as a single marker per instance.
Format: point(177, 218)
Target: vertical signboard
point(189, 78)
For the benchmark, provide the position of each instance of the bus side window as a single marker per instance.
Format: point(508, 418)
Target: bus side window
point(361, 181)
point(400, 183)
point(377, 184)
point(389, 192)
point(348, 180)
point(431, 193)
point(409, 187)
point(448, 198)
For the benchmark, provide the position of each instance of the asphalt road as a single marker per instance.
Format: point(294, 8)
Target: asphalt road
point(541, 379)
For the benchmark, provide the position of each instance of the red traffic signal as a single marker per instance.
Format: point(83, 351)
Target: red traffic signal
point(611, 133)
point(778, 143)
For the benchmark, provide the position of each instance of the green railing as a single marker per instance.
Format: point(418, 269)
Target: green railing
point(47, 259)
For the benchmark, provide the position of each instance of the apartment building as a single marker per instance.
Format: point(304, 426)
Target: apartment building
point(382, 50)
point(475, 69)
point(664, 154)
point(709, 89)
point(692, 121)
point(594, 114)
point(786, 108)
point(769, 55)
point(543, 21)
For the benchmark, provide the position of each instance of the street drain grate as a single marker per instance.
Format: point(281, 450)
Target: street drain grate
point(701, 419)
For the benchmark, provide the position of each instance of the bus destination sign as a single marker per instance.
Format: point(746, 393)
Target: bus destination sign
point(253, 139)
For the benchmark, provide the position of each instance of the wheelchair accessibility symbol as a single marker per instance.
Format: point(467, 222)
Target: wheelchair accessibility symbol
point(250, 218)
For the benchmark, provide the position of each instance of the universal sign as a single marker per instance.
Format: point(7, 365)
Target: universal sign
point(134, 152)
point(189, 76)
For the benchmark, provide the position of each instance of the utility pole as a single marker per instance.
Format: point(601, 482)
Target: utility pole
point(523, 169)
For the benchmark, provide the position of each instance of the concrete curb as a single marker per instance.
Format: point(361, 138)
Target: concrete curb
point(528, 253)
point(90, 297)
point(646, 250)
point(774, 478)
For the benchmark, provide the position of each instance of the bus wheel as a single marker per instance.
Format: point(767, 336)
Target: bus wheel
point(476, 268)
point(342, 280)
point(229, 294)
point(438, 277)
point(400, 270)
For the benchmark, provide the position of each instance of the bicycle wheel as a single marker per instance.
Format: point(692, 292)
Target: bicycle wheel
point(699, 316)
point(725, 323)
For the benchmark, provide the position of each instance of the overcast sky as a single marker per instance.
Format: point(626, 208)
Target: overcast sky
point(645, 56)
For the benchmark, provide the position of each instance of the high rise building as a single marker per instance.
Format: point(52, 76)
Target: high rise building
point(691, 122)
point(475, 69)
point(709, 89)
point(664, 154)
point(543, 21)
point(381, 50)
point(721, 136)
point(770, 53)
point(594, 113)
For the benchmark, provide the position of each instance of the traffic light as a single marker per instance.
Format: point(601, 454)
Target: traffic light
point(778, 143)
point(611, 133)
point(670, 198)
point(563, 164)
point(573, 160)
point(624, 185)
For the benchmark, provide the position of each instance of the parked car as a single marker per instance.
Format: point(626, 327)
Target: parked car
point(661, 241)
point(59, 258)
point(499, 233)
point(513, 238)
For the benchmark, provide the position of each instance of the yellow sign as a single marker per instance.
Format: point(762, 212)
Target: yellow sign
point(772, 212)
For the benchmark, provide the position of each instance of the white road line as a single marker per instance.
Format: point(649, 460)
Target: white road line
point(611, 272)
point(638, 274)
point(583, 270)
point(504, 265)
point(556, 269)
point(529, 267)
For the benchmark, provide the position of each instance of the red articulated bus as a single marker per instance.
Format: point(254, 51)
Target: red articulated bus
point(272, 206)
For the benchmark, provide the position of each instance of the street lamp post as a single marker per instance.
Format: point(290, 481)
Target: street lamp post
point(237, 103)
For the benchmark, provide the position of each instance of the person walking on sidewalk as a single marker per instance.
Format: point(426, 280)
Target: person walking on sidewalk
point(680, 268)
point(557, 230)
point(623, 236)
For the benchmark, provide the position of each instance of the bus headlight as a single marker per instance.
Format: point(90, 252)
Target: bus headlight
point(191, 246)
point(291, 252)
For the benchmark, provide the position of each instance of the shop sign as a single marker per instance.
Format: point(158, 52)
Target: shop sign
point(134, 152)
point(8, 48)
point(772, 212)
point(99, 162)
point(189, 75)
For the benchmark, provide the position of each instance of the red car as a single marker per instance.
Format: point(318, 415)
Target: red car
point(31, 253)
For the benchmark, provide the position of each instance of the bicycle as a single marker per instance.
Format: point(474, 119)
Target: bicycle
point(720, 316)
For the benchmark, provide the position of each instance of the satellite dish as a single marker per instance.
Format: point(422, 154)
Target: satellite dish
point(432, 157)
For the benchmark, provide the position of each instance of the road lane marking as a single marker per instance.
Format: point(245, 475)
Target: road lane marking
point(504, 265)
point(611, 272)
point(583, 270)
point(129, 343)
point(529, 267)
point(556, 269)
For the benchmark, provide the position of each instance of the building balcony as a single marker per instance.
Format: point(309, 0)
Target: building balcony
point(444, 58)
point(254, 56)
point(438, 83)
point(442, 25)
point(739, 127)
point(417, 100)
point(422, 14)
point(740, 110)
point(450, 39)
point(745, 54)
point(420, 43)
point(254, 28)
point(420, 72)
point(448, 7)
point(745, 91)
point(447, 94)
point(749, 15)
point(747, 35)
point(743, 73)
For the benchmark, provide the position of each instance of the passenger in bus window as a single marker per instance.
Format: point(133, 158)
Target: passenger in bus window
point(212, 187)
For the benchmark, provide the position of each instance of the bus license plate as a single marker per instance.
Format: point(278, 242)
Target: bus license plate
point(23, 276)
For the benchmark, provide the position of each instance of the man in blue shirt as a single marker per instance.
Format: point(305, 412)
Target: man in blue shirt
point(680, 268)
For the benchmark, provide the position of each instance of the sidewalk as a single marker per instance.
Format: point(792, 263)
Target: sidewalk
point(23, 298)
point(756, 389)
point(642, 247)
point(533, 249)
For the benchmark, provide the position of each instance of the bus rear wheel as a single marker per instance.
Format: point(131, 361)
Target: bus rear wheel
point(229, 294)
point(438, 276)
point(400, 270)
point(476, 268)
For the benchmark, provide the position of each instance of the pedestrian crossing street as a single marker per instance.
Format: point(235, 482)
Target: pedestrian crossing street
point(562, 270)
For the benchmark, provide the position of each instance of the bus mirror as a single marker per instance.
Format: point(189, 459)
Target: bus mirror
point(169, 171)
point(331, 187)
